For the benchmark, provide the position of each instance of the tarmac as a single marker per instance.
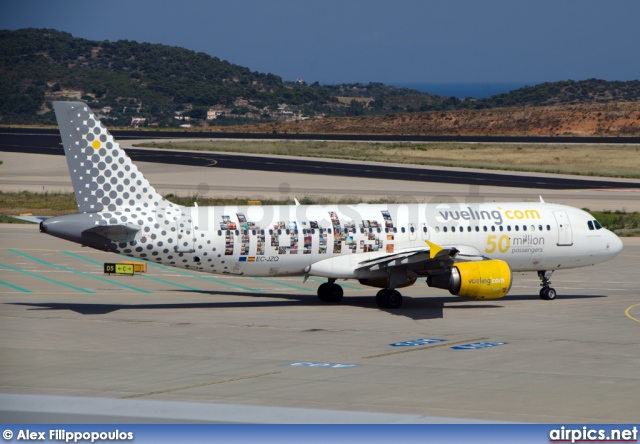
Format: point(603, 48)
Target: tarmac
point(67, 329)
point(177, 346)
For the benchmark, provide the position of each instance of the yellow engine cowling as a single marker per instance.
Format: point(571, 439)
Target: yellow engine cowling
point(384, 282)
point(489, 279)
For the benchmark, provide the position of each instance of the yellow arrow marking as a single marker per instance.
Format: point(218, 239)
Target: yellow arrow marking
point(629, 316)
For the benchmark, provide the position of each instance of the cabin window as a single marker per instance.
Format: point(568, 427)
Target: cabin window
point(253, 232)
point(237, 232)
point(548, 227)
point(444, 229)
point(517, 227)
point(361, 230)
point(484, 228)
point(329, 230)
point(412, 229)
point(424, 229)
point(469, 229)
point(508, 227)
point(453, 229)
point(279, 231)
point(533, 228)
point(477, 228)
point(395, 230)
point(501, 228)
point(219, 232)
point(379, 230)
point(403, 230)
point(524, 228)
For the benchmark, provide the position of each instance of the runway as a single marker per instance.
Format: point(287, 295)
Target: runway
point(414, 175)
point(172, 335)
point(46, 173)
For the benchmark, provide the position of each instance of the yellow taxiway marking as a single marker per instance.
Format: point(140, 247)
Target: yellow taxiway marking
point(242, 378)
point(629, 316)
point(443, 344)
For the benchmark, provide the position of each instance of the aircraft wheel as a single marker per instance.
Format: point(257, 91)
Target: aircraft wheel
point(548, 294)
point(331, 293)
point(389, 299)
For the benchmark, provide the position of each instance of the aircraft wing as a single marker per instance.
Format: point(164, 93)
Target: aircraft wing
point(432, 257)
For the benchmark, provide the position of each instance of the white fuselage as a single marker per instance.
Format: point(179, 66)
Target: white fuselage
point(289, 240)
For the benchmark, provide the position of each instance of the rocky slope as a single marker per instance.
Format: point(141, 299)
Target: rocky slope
point(597, 119)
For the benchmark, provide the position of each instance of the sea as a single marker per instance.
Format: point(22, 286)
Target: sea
point(477, 90)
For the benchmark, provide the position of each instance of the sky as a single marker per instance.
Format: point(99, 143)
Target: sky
point(345, 41)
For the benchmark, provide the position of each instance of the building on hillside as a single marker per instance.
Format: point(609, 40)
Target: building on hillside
point(213, 114)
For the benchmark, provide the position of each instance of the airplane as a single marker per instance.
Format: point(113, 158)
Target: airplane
point(471, 250)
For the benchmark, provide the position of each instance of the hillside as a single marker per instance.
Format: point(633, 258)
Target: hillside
point(166, 86)
point(595, 119)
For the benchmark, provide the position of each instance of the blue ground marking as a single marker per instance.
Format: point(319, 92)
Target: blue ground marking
point(477, 345)
point(320, 365)
point(217, 281)
point(81, 273)
point(44, 278)
point(417, 342)
point(162, 281)
point(15, 287)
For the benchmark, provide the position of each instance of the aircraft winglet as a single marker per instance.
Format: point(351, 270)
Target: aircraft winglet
point(433, 249)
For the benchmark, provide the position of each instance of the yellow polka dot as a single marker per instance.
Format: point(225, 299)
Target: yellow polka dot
point(96, 144)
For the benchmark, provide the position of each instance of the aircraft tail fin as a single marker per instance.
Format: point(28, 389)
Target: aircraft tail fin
point(104, 178)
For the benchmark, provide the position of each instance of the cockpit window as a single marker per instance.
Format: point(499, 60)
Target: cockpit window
point(597, 225)
point(590, 224)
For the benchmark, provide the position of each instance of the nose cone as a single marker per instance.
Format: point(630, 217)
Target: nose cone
point(614, 244)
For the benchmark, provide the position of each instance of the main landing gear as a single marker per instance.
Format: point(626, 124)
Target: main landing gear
point(388, 298)
point(330, 292)
point(546, 292)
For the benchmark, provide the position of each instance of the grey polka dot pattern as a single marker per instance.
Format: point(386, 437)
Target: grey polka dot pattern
point(109, 186)
point(104, 178)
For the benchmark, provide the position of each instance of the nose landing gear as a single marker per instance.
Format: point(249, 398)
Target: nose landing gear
point(546, 292)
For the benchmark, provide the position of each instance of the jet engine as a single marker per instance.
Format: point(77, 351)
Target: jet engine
point(490, 279)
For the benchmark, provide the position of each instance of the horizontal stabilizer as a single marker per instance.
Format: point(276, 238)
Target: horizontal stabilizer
point(32, 219)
